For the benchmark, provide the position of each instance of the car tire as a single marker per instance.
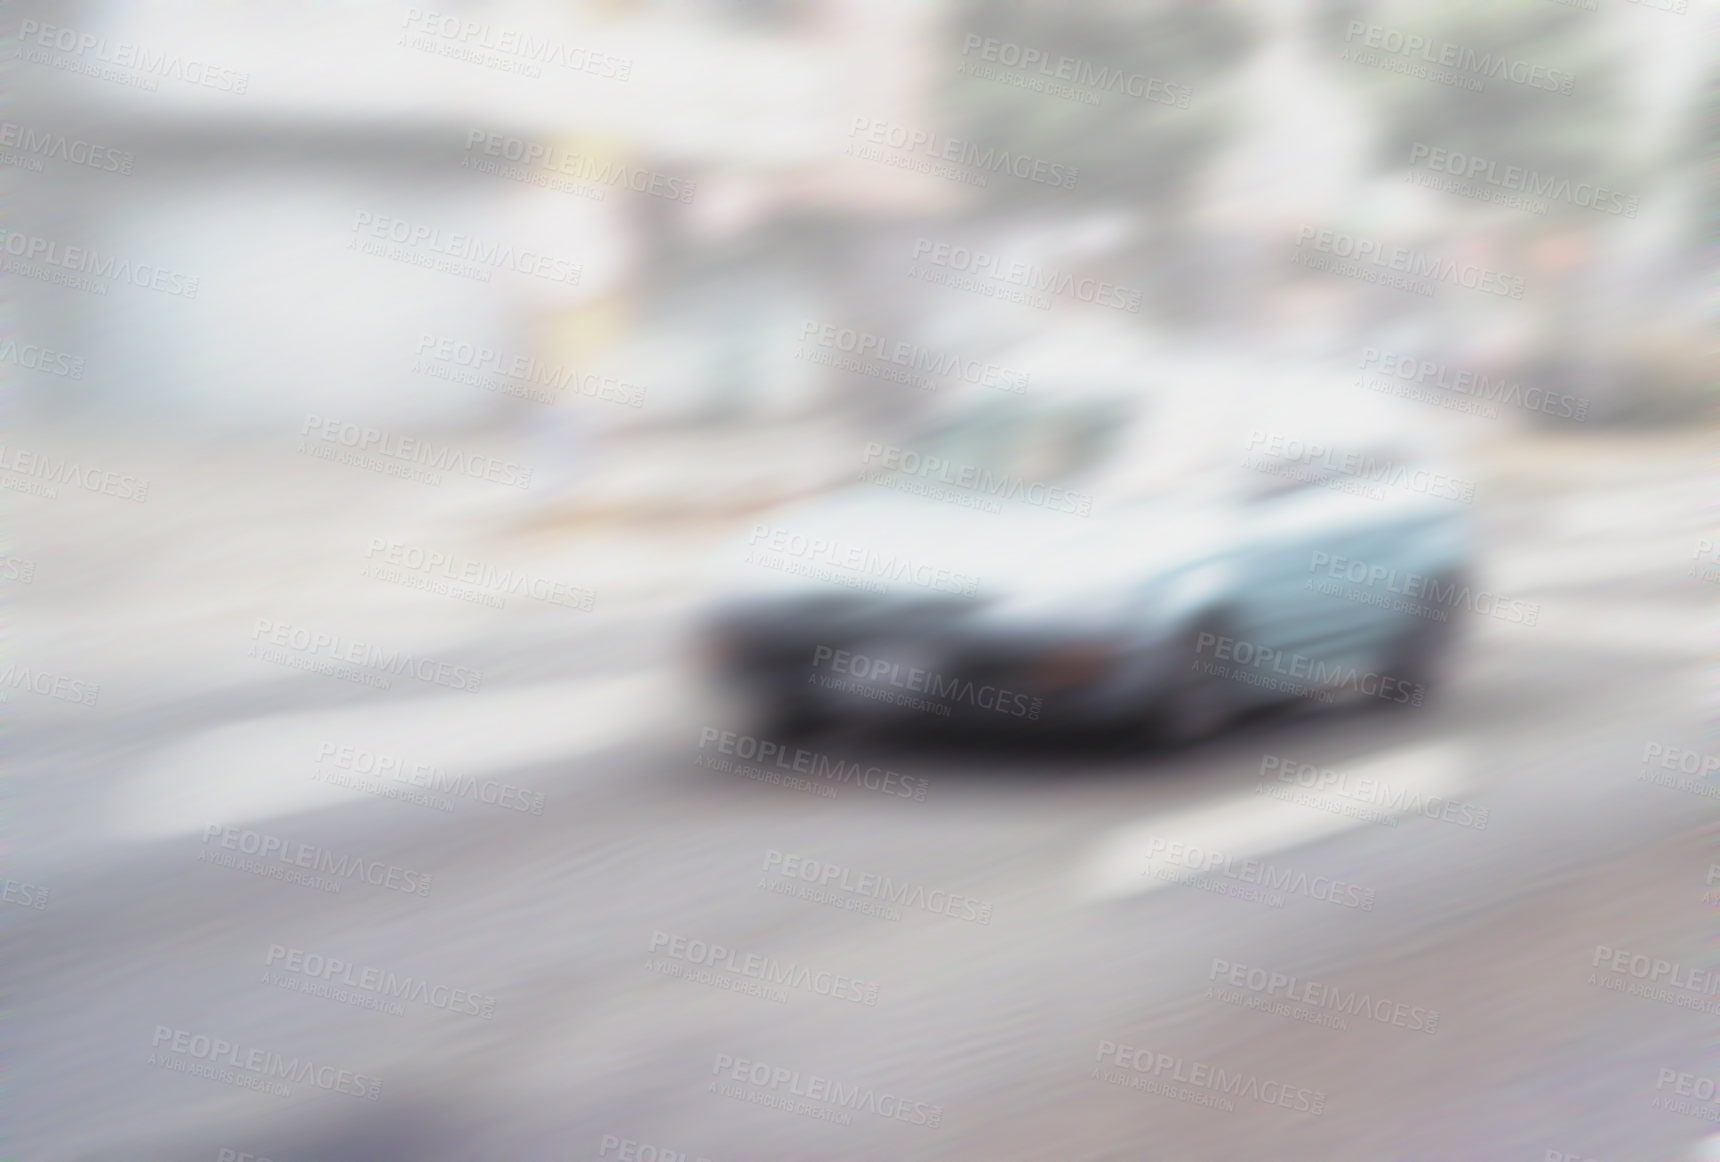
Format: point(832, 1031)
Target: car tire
point(1419, 654)
point(788, 717)
point(1198, 704)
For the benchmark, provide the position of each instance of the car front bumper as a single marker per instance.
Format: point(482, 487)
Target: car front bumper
point(914, 672)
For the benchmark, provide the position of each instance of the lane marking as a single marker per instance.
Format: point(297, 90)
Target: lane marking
point(263, 768)
point(1250, 826)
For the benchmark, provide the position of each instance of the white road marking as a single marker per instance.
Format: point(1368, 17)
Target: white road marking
point(263, 768)
point(1250, 826)
point(1651, 628)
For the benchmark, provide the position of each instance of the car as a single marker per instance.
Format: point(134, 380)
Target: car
point(1095, 556)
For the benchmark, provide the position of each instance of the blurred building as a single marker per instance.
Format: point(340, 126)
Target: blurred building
point(723, 174)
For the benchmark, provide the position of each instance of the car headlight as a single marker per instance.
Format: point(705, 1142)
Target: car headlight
point(1073, 665)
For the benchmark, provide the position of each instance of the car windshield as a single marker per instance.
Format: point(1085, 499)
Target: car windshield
point(1031, 445)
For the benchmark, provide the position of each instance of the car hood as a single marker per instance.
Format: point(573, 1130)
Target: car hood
point(912, 546)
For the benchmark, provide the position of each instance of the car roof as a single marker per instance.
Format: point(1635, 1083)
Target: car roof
point(1189, 408)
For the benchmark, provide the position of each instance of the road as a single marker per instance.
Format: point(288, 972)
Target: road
point(581, 929)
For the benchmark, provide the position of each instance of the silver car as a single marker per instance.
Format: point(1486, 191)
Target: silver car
point(1090, 559)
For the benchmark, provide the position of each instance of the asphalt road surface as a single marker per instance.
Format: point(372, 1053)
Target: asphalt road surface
point(1416, 986)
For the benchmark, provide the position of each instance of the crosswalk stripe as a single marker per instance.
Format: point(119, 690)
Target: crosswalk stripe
point(1130, 860)
point(268, 766)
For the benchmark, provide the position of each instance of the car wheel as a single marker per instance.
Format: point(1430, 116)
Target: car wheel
point(1198, 703)
point(1419, 654)
point(789, 717)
